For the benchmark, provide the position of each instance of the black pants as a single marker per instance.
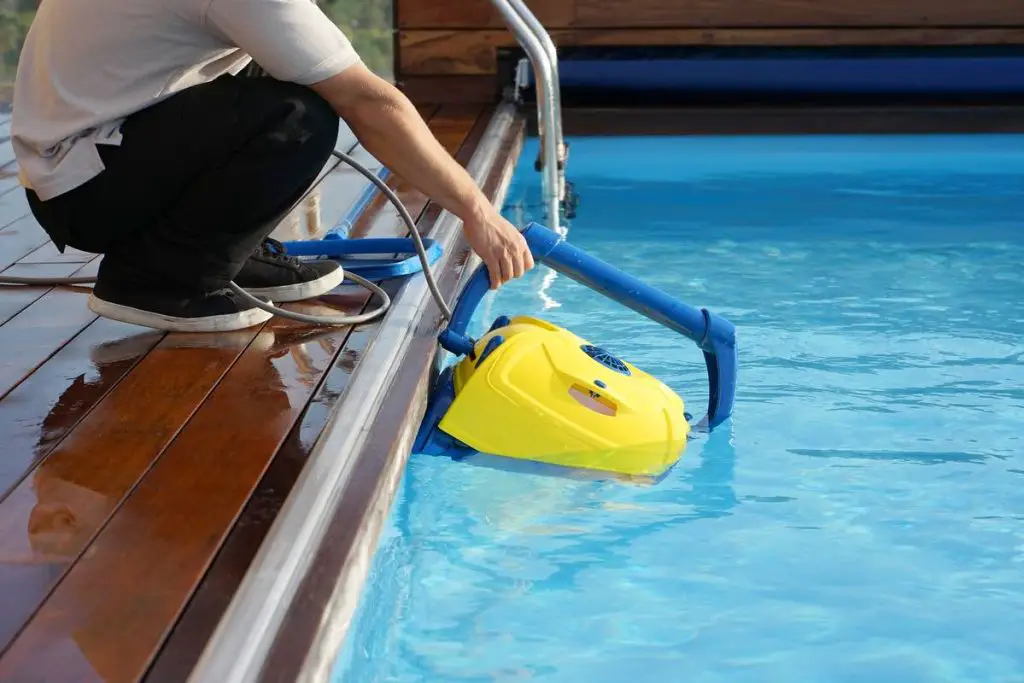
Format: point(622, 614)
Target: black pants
point(199, 180)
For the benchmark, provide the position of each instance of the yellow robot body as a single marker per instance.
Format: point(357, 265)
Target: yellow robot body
point(535, 391)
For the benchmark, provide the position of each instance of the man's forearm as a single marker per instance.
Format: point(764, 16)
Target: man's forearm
point(391, 129)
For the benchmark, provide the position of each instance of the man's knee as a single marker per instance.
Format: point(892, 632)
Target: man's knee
point(311, 121)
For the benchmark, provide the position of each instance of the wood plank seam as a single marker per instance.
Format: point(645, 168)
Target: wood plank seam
point(10, 219)
point(42, 290)
point(20, 237)
point(16, 298)
point(9, 386)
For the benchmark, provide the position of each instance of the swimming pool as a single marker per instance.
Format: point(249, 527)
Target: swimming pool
point(861, 516)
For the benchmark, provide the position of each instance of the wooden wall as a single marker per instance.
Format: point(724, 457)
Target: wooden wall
point(447, 48)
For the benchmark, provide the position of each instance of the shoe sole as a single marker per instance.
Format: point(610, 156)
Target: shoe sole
point(302, 291)
point(213, 323)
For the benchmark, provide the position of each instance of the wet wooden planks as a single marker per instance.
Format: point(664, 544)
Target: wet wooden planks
point(120, 506)
point(37, 323)
point(452, 126)
point(53, 514)
point(49, 519)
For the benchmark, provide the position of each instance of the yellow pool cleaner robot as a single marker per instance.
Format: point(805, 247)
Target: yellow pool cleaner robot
point(544, 394)
point(532, 391)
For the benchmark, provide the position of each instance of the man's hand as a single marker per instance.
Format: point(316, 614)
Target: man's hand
point(500, 246)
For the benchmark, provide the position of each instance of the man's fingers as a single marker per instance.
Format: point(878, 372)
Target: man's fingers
point(524, 253)
point(518, 266)
point(510, 263)
point(494, 271)
point(507, 269)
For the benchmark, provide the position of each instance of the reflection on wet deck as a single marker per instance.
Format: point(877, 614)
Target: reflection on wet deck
point(140, 471)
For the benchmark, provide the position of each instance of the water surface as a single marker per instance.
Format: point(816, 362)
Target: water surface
point(860, 519)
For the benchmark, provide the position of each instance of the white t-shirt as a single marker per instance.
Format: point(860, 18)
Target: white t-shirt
point(88, 64)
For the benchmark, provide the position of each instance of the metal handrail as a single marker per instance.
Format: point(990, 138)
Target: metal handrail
point(540, 50)
point(555, 90)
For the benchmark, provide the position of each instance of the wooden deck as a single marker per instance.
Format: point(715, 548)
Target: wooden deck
point(140, 471)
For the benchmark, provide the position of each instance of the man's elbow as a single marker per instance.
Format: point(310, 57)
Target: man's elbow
point(372, 113)
point(360, 97)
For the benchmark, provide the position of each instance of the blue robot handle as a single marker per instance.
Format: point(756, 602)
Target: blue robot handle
point(714, 335)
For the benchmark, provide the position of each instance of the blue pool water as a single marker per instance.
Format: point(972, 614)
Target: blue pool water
point(859, 519)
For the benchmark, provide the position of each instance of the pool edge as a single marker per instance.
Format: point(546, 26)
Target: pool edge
point(324, 538)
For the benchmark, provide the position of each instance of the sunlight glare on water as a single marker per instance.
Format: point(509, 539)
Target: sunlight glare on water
point(860, 519)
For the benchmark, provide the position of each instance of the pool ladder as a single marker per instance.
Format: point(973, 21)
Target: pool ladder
point(543, 58)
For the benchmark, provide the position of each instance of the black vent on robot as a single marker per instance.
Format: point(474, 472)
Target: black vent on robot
point(606, 359)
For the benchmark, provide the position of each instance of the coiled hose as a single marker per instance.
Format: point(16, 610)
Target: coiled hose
point(301, 317)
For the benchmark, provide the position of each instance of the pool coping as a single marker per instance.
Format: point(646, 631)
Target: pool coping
point(252, 631)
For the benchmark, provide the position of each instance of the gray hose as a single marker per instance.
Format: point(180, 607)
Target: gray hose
point(321, 319)
point(14, 280)
point(301, 317)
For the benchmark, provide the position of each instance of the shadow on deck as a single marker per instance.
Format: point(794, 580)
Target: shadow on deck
point(141, 472)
